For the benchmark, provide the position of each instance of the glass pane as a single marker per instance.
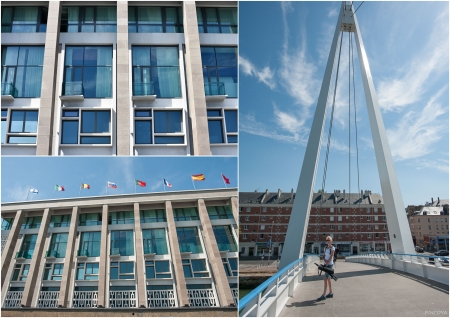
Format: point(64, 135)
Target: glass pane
point(215, 131)
point(28, 81)
point(162, 267)
point(141, 55)
point(74, 56)
point(167, 121)
point(3, 131)
point(214, 113)
point(142, 113)
point(17, 117)
point(159, 140)
point(149, 272)
point(31, 56)
point(103, 120)
point(69, 132)
point(187, 271)
point(114, 272)
point(232, 139)
point(70, 113)
point(31, 120)
point(106, 15)
point(208, 56)
point(88, 122)
point(21, 140)
point(143, 132)
point(226, 56)
point(95, 140)
point(231, 120)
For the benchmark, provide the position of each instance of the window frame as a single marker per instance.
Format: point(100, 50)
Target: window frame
point(119, 268)
point(152, 263)
point(178, 25)
point(85, 221)
point(39, 22)
point(201, 273)
point(64, 219)
point(51, 267)
point(225, 134)
point(204, 23)
point(154, 241)
point(20, 268)
point(228, 268)
point(84, 266)
point(81, 20)
point(22, 134)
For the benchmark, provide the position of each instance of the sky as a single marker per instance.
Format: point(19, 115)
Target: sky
point(43, 173)
point(283, 50)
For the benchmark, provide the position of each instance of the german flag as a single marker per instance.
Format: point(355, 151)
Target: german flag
point(198, 177)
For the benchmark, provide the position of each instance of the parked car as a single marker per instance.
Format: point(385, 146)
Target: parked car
point(419, 249)
point(441, 253)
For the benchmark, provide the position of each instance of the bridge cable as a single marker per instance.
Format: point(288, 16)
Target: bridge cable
point(357, 8)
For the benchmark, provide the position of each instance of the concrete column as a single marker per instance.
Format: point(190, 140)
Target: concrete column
point(235, 208)
point(214, 257)
point(195, 85)
point(35, 269)
point(180, 281)
point(142, 294)
point(8, 251)
point(123, 73)
point(102, 271)
point(68, 260)
point(46, 107)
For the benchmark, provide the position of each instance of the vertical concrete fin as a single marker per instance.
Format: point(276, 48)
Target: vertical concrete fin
point(142, 294)
point(103, 266)
point(8, 251)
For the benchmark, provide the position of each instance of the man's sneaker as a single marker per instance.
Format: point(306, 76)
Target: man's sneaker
point(321, 298)
point(329, 295)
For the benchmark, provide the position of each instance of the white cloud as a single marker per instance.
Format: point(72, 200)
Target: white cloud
point(264, 75)
point(333, 13)
point(440, 165)
point(18, 192)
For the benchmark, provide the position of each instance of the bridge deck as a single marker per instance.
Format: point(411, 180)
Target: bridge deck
point(367, 291)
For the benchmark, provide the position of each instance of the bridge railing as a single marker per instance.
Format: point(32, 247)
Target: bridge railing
point(269, 298)
point(426, 266)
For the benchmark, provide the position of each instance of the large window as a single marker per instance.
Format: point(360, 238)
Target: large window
point(230, 265)
point(60, 220)
point(95, 126)
point(156, 71)
point(90, 244)
point(58, 245)
point(22, 127)
point(158, 127)
point(87, 271)
point(150, 216)
point(220, 70)
point(122, 243)
point(88, 19)
point(24, 19)
point(126, 217)
point(224, 238)
point(222, 126)
point(53, 271)
point(88, 71)
point(90, 219)
point(219, 212)
point(155, 241)
point(185, 214)
point(188, 240)
point(4, 122)
point(122, 270)
point(20, 272)
point(7, 223)
point(22, 70)
point(32, 222)
point(155, 20)
point(27, 248)
point(195, 268)
point(157, 269)
point(217, 20)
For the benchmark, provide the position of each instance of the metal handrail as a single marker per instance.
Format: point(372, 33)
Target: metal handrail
point(72, 88)
point(214, 88)
point(143, 89)
point(9, 89)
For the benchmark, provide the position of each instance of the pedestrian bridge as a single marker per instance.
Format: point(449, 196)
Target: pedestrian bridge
point(373, 285)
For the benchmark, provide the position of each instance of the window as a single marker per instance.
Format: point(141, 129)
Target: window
point(332, 210)
point(331, 227)
point(368, 218)
point(263, 227)
point(429, 227)
point(90, 244)
point(185, 214)
point(88, 71)
point(32, 222)
point(22, 127)
point(263, 218)
point(331, 218)
point(58, 245)
point(122, 243)
point(194, 268)
point(247, 218)
point(20, 272)
point(376, 227)
point(155, 20)
point(7, 223)
point(126, 217)
point(88, 19)
point(261, 236)
point(377, 235)
point(156, 71)
point(53, 271)
point(157, 269)
point(219, 212)
point(375, 218)
point(87, 271)
point(24, 19)
point(188, 240)
point(339, 218)
point(264, 209)
point(340, 236)
point(150, 216)
point(216, 126)
point(369, 227)
point(369, 235)
point(429, 220)
point(155, 241)
point(224, 238)
point(217, 20)
point(220, 70)
point(95, 126)
point(90, 219)
point(158, 127)
point(339, 227)
point(60, 220)
point(244, 236)
point(245, 227)
point(437, 227)
point(385, 235)
point(27, 248)
point(384, 218)
point(367, 210)
point(231, 266)
point(247, 209)
point(122, 270)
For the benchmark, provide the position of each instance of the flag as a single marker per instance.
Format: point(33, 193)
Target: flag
point(140, 183)
point(85, 186)
point(268, 243)
point(112, 185)
point(198, 177)
point(227, 181)
point(59, 188)
point(33, 190)
point(167, 183)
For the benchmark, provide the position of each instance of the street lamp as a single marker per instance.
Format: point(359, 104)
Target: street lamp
point(270, 246)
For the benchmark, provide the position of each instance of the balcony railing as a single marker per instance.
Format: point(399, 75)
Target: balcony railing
point(235, 293)
point(83, 253)
point(202, 298)
point(122, 299)
point(143, 89)
point(72, 88)
point(9, 89)
point(13, 299)
point(23, 254)
point(160, 298)
point(52, 253)
point(85, 299)
point(48, 299)
point(231, 247)
point(214, 88)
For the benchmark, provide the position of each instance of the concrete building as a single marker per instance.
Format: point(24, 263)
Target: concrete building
point(119, 78)
point(357, 222)
point(160, 250)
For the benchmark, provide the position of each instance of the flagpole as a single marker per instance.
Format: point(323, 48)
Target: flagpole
point(28, 193)
point(134, 186)
point(79, 191)
point(193, 183)
point(221, 174)
point(106, 187)
point(164, 184)
point(53, 194)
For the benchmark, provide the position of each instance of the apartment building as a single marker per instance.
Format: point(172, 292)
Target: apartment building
point(161, 250)
point(119, 78)
point(355, 221)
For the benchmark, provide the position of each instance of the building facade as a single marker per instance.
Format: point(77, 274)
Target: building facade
point(119, 78)
point(159, 250)
point(356, 222)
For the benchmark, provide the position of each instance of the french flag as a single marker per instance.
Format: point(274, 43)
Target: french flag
point(167, 183)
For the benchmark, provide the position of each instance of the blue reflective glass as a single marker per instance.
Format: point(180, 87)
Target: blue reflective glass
point(232, 139)
point(21, 140)
point(187, 271)
point(95, 121)
point(70, 113)
point(215, 131)
point(226, 56)
point(214, 113)
point(103, 119)
point(88, 121)
point(150, 272)
point(31, 119)
point(208, 56)
point(3, 131)
point(162, 267)
point(17, 117)
point(231, 120)
point(74, 55)
point(95, 140)
point(143, 113)
point(114, 273)
point(169, 140)
point(167, 121)
point(4, 112)
point(143, 132)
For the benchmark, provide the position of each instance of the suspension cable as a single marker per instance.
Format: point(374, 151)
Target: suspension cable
point(357, 8)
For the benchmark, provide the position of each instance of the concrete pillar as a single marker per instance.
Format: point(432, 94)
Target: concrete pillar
point(195, 86)
point(103, 266)
point(142, 293)
point(68, 260)
point(35, 269)
point(47, 101)
point(234, 204)
point(123, 73)
point(10, 247)
point(180, 281)
point(214, 257)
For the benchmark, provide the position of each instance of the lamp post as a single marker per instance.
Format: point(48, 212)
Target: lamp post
point(270, 246)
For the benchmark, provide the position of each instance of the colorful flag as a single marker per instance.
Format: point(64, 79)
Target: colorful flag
point(112, 185)
point(85, 186)
point(140, 183)
point(198, 177)
point(227, 181)
point(59, 188)
point(33, 190)
point(167, 183)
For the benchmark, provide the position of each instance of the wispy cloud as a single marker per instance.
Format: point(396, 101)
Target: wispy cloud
point(264, 75)
point(17, 192)
point(440, 164)
point(333, 13)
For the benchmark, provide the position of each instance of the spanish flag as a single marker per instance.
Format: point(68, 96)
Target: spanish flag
point(85, 186)
point(198, 177)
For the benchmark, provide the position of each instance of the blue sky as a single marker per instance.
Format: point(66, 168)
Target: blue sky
point(43, 173)
point(283, 49)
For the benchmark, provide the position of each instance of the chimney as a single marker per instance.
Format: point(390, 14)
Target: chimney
point(264, 196)
point(438, 201)
point(279, 194)
point(292, 193)
point(432, 201)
